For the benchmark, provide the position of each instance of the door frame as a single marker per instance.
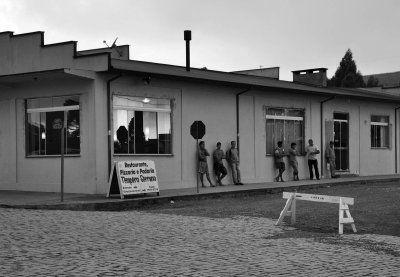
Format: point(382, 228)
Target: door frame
point(348, 139)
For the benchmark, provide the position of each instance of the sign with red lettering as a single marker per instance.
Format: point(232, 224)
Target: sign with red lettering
point(133, 177)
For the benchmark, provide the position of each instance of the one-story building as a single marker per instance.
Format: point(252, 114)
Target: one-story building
point(120, 109)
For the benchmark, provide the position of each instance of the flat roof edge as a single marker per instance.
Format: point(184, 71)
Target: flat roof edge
point(238, 79)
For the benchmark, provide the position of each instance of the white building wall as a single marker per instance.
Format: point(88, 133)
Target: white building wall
point(365, 160)
point(43, 173)
point(215, 105)
point(253, 134)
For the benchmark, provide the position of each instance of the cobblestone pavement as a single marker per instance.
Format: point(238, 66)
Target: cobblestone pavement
point(66, 243)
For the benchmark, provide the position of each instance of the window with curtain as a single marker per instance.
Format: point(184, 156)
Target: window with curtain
point(379, 131)
point(284, 124)
point(44, 119)
point(142, 125)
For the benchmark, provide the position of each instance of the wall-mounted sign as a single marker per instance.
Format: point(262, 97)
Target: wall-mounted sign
point(133, 177)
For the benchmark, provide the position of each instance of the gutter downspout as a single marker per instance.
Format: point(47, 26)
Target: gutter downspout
point(395, 139)
point(237, 116)
point(109, 109)
point(322, 128)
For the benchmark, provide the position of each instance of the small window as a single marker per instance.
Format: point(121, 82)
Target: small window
point(379, 131)
point(45, 117)
point(283, 124)
point(142, 125)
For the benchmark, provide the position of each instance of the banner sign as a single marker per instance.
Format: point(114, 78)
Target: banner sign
point(133, 177)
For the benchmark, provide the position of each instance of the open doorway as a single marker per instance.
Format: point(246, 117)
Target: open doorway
point(341, 140)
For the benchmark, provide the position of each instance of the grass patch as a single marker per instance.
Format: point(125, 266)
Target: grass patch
point(376, 208)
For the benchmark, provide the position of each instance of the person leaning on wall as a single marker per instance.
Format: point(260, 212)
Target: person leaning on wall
point(203, 166)
point(330, 159)
point(293, 153)
point(279, 153)
point(232, 156)
point(219, 168)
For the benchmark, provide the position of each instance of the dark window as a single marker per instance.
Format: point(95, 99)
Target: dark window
point(45, 117)
point(142, 125)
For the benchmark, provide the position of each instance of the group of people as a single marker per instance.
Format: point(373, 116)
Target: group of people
point(231, 156)
point(311, 152)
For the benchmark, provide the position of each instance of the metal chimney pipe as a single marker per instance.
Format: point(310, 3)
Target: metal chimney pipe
point(188, 38)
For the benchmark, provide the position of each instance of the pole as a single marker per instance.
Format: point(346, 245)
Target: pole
point(187, 55)
point(187, 34)
point(62, 154)
point(197, 169)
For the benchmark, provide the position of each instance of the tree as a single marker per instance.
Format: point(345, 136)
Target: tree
point(346, 74)
point(372, 82)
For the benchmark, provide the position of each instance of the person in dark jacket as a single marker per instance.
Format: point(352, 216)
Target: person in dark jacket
point(219, 168)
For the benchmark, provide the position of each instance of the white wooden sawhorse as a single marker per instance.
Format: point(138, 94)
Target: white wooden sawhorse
point(290, 207)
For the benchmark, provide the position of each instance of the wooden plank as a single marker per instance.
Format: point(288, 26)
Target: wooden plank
point(346, 220)
point(285, 212)
point(319, 198)
point(293, 211)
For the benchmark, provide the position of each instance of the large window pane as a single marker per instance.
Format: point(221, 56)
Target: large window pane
point(42, 134)
point(142, 125)
point(73, 135)
point(44, 125)
point(299, 137)
point(379, 131)
point(284, 125)
point(53, 133)
point(34, 134)
point(121, 131)
point(164, 133)
point(270, 135)
point(146, 132)
point(131, 131)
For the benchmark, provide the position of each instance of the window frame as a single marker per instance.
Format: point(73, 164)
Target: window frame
point(301, 150)
point(143, 109)
point(385, 124)
point(51, 109)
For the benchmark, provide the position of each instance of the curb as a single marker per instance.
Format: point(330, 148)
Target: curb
point(139, 203)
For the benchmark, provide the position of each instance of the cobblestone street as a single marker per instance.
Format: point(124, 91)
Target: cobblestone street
point(67, 243)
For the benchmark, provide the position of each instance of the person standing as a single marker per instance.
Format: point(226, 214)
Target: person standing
point(203, 166)
point(232, 156)
point(330, 159)
point(293, 153)
point(219, 168)
point(312, 151)
point(279, 163)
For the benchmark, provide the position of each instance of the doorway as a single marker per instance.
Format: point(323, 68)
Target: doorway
point(341, 140)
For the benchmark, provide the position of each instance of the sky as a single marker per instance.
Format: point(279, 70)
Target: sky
point(227, 35)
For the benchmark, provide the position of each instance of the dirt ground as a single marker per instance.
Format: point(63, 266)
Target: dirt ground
point(376, 209)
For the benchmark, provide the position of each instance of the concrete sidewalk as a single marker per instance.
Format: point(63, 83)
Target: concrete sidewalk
point(47, 200)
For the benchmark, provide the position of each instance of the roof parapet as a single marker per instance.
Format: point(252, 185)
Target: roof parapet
point(314, 76)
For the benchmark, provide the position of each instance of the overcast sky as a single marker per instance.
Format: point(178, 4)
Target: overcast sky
point(227, 35)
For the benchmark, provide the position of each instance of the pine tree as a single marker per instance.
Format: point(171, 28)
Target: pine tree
point(346, 74)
